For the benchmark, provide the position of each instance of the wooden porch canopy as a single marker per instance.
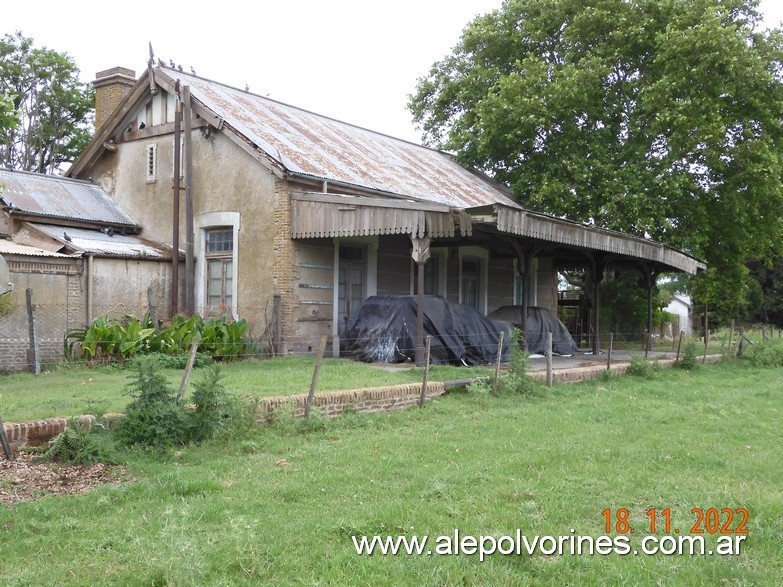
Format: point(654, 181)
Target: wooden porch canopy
point(319, 215)
point(322, 215)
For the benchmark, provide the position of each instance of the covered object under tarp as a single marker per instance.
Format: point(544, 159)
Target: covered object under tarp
point(383, 330)
point(540, 321)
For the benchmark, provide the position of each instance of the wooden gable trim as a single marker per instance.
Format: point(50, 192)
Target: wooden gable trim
point(105, 135)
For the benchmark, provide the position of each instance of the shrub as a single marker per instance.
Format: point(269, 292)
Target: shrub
point(689, 360)
point(179, 361)
point(80, 445)
point(7, 305)
point(212, 405)
point(641, 367)
point(515, 380)
point(153, 418)
point(765, 354)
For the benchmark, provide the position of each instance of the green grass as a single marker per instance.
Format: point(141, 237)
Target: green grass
point(228, 514)
point(74, 391)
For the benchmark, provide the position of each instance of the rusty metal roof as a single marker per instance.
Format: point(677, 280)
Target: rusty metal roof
point(12, 248)
point(54, 197)
point(99, 243)
point(327, 149)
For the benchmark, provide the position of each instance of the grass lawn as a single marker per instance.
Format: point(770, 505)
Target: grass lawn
point(280, 506)
point(82, 390)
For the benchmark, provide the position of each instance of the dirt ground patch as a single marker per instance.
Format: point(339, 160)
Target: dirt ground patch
point(25, 480)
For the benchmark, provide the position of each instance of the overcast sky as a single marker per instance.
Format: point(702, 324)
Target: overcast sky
point(353, 60)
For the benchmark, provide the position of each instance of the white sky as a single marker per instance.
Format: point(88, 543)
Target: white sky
point(354, 60)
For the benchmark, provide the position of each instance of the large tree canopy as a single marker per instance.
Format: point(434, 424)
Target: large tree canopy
point(661, 118)
point(54, 108)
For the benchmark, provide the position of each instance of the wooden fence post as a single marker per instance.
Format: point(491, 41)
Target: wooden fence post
point(549, 359)
point(679, 348)
point(609, 355)
point(497, 364)
point(423, 396)
point(741, 341)
point(731, 336)
point(9, 453)
point(189, 367)
point(313, 384)
point(34, 354)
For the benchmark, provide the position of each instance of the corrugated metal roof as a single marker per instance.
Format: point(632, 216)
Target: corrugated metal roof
point(99, 243)
point(58, 197)
point(12, 248)
point(324, 148)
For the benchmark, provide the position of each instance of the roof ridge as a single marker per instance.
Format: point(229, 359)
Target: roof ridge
point(176, 72)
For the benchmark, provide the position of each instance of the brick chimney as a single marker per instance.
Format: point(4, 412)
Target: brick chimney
point(111, 86)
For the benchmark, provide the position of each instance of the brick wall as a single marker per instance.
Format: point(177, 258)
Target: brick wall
point(283, 272)
point(111, 86)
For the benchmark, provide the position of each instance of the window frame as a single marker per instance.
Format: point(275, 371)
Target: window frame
point(225, 258)
point(202, 224)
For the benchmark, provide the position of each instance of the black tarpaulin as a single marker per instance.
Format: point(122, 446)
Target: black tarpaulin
point(540, 321)
point(383, 330)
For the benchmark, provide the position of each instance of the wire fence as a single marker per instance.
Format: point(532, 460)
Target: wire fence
point(41, 335)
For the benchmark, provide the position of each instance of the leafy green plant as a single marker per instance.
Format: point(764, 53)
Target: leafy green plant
point(212, 405)
point(515, 380)
point(107, 339)
point(222, 338)
point(641, 367)
point(153, 418)
point(79, 444)
point(7, 305)
point(688, 360)
point(765, 354)
point(166, 361)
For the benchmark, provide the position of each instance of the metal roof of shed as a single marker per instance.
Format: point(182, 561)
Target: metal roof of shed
point(50, 196)
point(98, 243)
point(12, 248)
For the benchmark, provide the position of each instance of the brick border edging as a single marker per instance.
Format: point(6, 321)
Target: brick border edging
point(332, 403)
point(576, 374)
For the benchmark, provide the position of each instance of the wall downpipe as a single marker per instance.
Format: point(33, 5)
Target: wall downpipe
point(88, 285)
point(175, 209)
point(189, 260)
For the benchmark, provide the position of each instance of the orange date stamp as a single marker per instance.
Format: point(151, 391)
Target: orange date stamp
point(705, 521)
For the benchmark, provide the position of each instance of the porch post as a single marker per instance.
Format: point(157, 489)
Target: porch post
point(528, 265)
point(650, 277)
point(649, 282)
point(524, 269)
point(420, 315)
point(597, 276)
point(420, 254)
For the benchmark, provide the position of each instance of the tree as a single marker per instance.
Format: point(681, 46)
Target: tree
point(661, 118)
point(55, 109)
point(8, 116)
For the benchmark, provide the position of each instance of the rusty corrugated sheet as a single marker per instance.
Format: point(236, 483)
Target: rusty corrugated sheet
point(12, 248)
point(59, 197)
point(97, 243)
point(307, 143)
